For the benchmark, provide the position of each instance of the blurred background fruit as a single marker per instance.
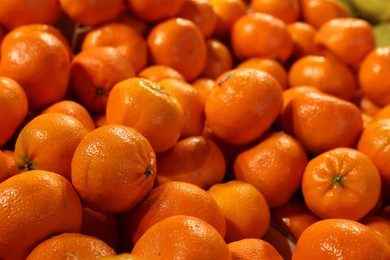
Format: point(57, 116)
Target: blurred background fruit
point(382, 34)
point(374, 10)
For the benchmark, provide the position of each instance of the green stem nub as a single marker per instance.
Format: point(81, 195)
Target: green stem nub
point(28, 165)
point(148, 172)
point(100, 91)
point(338, 180)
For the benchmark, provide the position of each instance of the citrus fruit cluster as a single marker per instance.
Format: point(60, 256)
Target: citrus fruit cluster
point(192, 129)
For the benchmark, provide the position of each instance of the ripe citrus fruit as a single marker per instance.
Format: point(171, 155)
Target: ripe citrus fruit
point(365, 104)
point(219, 59)
point(373, 142)
point(4, 171)
point(171, 199)
point(13, 107)
point(341, 183)
point(202, 13)
point(269, 65)
point(178, 43)
point(121, 36)
point(204, 86)
point(139, 25)
point(113, 168)
point(72, 108)
point(253, 248)
point(373, 77)
point(274, 166)
point(379, 224)
point(159, 72)
point(14, 13)
point(303, 38)
point(147, 107)
point(327, 75)
point(43, 27)
point(187, 236)
point(322, 122)
point(92, 13)
point(123, 256)
point(293, 217)
point(154, 10)
point(290, 93)
point(228, 12)
point(260, 34)
point(9, 157)
point(234, 197)
point(48, 142)
point(229, 150)
point(93, 74)
point(340, 238)
point(43, 84)
point(348, 39)
point(382, 113)
point(318, 12)
point(239, 113)
point(287, 10)
point(77, 245)
point(191, 102)
point(195, 159)
point(42, 204)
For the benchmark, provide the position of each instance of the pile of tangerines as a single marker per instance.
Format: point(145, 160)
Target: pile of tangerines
point(192, 129)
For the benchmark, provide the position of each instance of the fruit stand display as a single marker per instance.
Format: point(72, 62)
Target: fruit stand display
point(194, 129)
